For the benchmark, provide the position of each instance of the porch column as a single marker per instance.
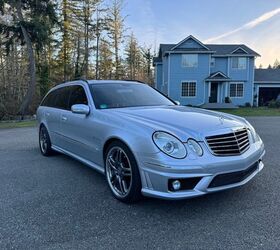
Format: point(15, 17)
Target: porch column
point(226, 89)
point(209, 91)
point(219, 92)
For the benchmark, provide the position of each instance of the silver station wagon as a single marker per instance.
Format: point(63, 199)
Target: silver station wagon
point(145, 143)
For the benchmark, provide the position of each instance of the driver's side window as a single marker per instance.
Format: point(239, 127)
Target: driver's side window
point(77, 96)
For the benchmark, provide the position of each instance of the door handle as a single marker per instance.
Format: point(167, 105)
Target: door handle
point(64, 118)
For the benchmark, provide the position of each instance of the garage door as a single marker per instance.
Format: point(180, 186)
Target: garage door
point(268, 94)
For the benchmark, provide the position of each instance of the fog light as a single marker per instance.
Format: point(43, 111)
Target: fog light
point(176, 185)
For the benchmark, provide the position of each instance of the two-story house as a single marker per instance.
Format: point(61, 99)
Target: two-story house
point(196, 74)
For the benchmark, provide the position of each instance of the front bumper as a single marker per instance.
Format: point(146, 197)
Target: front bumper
point(156, 172)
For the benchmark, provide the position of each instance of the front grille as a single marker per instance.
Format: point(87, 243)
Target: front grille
point(234, 143)
point(234, 177)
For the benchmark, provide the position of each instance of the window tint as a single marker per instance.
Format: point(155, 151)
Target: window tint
point(62, 98)
point(77, 96)
point(58, 98)
point(49, 100)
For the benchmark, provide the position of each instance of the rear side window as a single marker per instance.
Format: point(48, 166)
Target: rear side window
point(49, 100)
point(65, 97)
point(77, 96)
point(62, 98)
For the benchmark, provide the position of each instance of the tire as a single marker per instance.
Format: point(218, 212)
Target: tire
point(45, 142)
point(122, 173)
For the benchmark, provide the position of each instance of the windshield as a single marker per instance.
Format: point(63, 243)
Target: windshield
point(120, 95)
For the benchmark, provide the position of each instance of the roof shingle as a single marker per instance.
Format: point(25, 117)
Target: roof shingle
point(267, 75)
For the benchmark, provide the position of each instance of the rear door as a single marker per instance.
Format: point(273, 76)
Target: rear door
point(62, 106)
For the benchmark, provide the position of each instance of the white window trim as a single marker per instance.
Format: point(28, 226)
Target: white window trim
point(194, 81)
point(237, 97)
point(238, 68)
point(189, 67)
point(214, 64)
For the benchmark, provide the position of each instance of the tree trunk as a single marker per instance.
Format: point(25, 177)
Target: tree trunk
point(97, 58)
point(65, 40)
point(77, 69)
point(32, 70)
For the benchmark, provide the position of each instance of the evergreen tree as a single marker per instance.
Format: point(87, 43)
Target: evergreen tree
point(29, 21)
point(105, 60)
point(116, 33)
point(276, 64)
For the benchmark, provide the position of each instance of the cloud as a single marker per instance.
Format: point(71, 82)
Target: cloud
point(266, 16)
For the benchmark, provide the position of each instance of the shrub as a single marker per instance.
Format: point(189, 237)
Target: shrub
point(227, 100)
point(248, 105)
point(3, 111)
point(274, 104)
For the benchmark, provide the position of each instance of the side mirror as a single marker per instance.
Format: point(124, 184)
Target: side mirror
point(81, 109)
point(177, 103)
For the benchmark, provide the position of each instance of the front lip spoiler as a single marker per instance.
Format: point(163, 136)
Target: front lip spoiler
point(201, 187)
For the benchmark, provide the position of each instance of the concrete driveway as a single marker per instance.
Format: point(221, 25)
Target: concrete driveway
point(58, 203)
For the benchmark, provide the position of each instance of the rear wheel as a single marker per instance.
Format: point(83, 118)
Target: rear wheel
point(122, 173)
point(45, 142)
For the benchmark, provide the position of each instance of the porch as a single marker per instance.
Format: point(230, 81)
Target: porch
point(218, 91)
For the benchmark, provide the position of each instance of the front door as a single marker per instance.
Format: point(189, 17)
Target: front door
point(213, 92)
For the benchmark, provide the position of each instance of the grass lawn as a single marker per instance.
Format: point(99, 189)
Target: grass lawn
point(17, 124)
point(260, 111)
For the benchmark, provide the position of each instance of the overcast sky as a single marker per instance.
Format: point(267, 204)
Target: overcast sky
point(255, 23)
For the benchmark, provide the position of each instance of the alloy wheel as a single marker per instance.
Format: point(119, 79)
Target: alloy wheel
point(118, 171)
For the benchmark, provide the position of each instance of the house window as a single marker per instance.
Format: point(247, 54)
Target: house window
point(188, 89)
point(190, 60)
point(238, 62)
point(212, 62)
point(236, 90)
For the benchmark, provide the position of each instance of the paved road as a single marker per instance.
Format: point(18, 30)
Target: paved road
point(57, 203)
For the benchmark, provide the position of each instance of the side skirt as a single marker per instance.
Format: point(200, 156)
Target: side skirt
point(84, 161)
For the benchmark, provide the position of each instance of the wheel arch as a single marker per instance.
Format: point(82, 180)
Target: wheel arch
point(112, 139)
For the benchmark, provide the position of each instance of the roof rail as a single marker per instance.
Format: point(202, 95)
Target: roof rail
point(81, 79)
point(133, 81)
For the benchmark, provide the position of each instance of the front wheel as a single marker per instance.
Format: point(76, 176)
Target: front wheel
point(122, 173)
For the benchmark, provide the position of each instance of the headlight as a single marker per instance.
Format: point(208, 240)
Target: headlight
point(195, 147)
point(254, 134)
point(169, 145)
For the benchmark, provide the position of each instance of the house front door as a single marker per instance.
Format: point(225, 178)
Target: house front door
point(213, 92)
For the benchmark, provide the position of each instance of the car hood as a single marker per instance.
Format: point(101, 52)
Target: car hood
point(184, 122)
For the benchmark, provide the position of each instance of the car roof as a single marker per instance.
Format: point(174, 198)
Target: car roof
point(93, 82)
point(112, 81)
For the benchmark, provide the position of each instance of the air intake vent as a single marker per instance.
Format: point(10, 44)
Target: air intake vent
point(234, 143)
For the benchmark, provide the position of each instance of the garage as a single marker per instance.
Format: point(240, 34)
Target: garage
point(267, 94)
point(267, 86)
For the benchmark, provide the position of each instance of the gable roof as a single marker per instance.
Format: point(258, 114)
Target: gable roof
point(239, 50)
point(215, 49)
point(190, 37)
point(267, 75)
point(226, 49)
point(217, 76)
